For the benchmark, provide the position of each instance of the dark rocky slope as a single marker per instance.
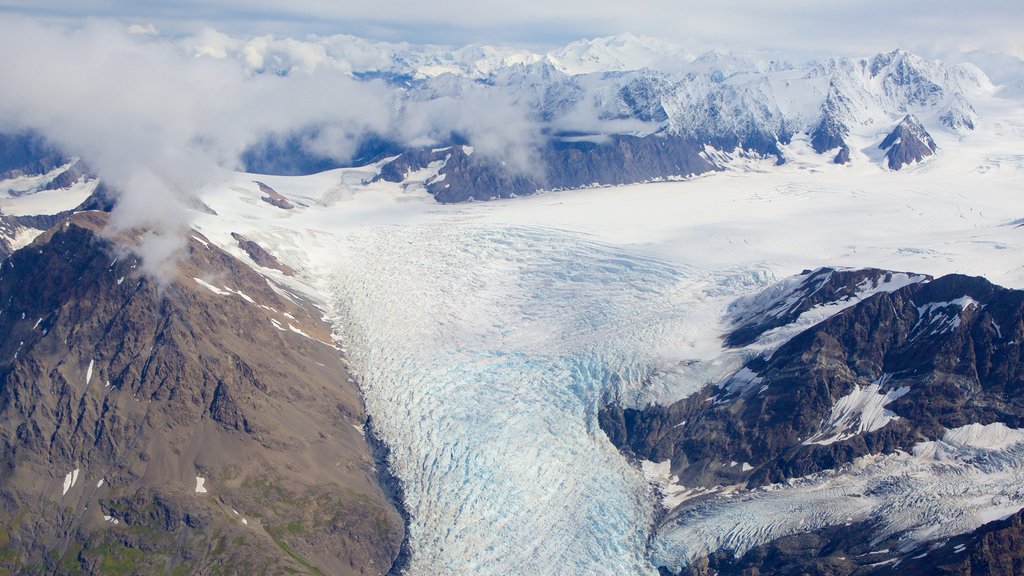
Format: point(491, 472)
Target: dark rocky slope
point(962, 366)
point(117, 392)
point(907, 143)
point(560, 165)
point(948, 352)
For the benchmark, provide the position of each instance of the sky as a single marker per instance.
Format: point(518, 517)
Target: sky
point(838, 27)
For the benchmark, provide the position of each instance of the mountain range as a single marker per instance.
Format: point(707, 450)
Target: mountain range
point(724, 315)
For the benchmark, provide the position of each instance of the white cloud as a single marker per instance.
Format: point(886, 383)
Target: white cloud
point(147, 29)
point(157, 118)
point(810, 26)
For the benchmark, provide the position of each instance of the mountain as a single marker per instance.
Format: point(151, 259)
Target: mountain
point(203, 423)
point(39, 185)
point(917, 369)
point(604, 127)
point(336, 375)
point(907, 143)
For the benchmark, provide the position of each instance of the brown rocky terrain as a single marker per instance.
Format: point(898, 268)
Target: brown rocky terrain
point(907, 143)
point(561, 165)
point(260, 256)
point(950, 351)
point(273, 197)
point(201, 424)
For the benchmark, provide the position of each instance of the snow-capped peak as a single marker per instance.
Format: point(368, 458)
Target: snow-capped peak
point(619, 53)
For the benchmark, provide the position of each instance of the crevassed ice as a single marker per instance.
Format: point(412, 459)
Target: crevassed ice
point(944, 488)
point(484, 355)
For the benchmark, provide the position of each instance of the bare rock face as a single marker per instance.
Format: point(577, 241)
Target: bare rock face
point(260, 256)
point(909, 142)
point(203, 424)
point(830, 133)
point(620, 159)
point(273, 197)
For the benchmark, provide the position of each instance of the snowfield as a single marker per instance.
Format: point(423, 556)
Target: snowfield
point(486, 337)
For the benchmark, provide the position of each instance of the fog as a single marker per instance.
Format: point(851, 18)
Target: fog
point(159, 117)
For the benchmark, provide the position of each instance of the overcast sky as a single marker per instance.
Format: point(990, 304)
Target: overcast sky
point(837, 27)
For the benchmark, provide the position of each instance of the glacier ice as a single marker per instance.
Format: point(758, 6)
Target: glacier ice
point(942, 489)
point(484, 354)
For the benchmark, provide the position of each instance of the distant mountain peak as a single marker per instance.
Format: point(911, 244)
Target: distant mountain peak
point(908, 142)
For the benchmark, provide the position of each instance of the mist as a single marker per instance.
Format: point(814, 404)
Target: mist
point(157, 118)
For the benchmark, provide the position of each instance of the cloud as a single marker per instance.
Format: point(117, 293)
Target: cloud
point(158, 117)
point(157, 122)
point(842, 27)
point(143, 29)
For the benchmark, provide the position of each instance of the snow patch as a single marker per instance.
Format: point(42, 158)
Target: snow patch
point(211, 287)
point(69, 481)
point(860, 411)
point(939, 318)
point(667, 485)
point(200, 485)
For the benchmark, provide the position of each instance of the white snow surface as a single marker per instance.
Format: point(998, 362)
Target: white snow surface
point(859, 412)
point(48, 201)
point(486, 336)
point(69, 481)
point(993, 436)
point(200, 485)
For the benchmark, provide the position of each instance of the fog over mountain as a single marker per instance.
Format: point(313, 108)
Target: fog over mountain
point(526, 289)
point(163, 111)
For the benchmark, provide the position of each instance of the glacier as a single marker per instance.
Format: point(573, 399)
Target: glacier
point(485, 354)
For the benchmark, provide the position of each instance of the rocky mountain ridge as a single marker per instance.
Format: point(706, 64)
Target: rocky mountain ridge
point(202, 424)
point(638, 116)
point(721, 108)
point(880, 374)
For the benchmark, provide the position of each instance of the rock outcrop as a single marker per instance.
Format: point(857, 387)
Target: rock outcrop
point(831, 132)
point(273, 197)
point(908, 142)
point(614, 160)
point(260, 256)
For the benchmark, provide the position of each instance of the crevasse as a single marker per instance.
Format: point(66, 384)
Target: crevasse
point(484, 355)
